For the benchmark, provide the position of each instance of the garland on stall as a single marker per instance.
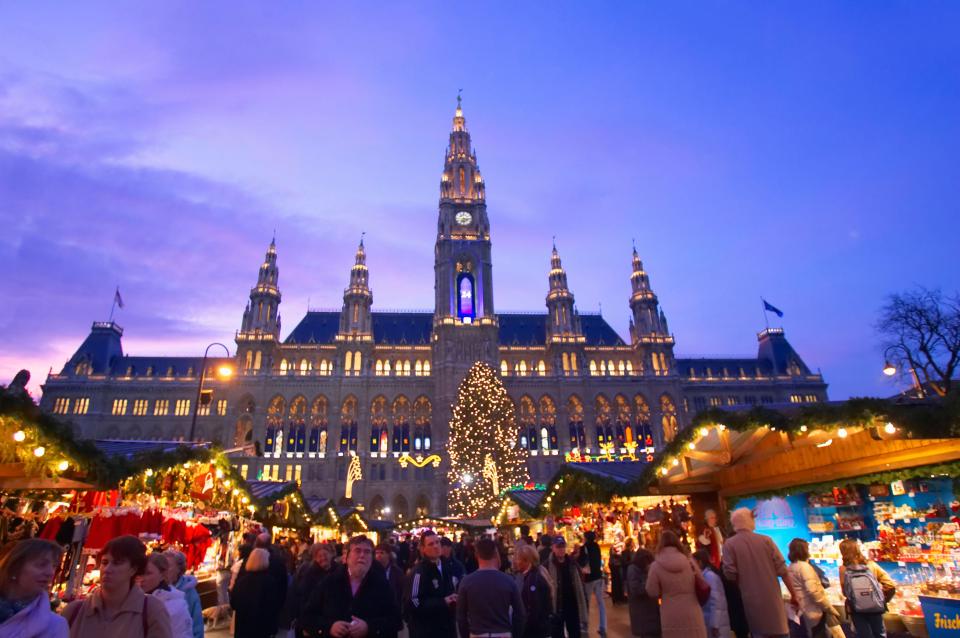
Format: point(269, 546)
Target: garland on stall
point(933, 418)
point(951, 470)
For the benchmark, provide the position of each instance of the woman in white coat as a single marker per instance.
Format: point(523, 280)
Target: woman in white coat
point(815, 607)
point(153, 582)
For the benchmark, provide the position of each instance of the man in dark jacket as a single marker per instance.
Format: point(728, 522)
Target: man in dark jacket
point(394, 574)
point(569, 601)
point(446, 552)
point(309, 577)
point(431, 593)
point(278, 573)
point(354, 600)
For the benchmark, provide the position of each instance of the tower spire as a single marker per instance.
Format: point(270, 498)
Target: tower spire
point(260, 328)
point(562, 322)
point(461, 180)
point(648, 323)
point(355, 317)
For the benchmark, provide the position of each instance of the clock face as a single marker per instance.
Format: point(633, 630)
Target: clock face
point(463, 218)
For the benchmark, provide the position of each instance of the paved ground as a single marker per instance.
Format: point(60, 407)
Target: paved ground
point(618, 624)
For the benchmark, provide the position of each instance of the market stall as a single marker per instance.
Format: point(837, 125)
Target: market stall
point(873, 470)
point(446, 525)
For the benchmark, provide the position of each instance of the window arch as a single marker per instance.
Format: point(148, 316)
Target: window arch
point(542, 368)
point(422, 416)
point(418, 368)
point(401, 424)
point(378, 369)
point(548, 424)
point(593, 368)
point(296, 427)
point(426, 368)
point(603, 426)
point(318, 425)
point(379, 438)
point(348, 425)
point(406, 368)
point(274, 438)
point(283, 366)
point(624, 428)
point(527, 413)
point(248, 360)
point(348, 362)
point(644, 434)
point(305, 367)
point(504, 368)
point(668, 418)
point(578, 437)
point(356, 363)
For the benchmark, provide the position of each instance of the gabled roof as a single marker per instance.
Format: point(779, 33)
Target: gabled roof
point(414, 328)
point(268, 491)
point(528, 500)
point(101, 347)
point(130, 449)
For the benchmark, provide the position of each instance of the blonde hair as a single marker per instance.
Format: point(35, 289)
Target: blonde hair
point(742, 519)
point(527, 553)
point(850, 552)
point(258, 560)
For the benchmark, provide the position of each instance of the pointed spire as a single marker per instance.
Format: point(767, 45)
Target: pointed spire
point(461, 179)
point(355, 321)
point(562, 320)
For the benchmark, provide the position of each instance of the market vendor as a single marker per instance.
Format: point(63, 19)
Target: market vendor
point(711, 538)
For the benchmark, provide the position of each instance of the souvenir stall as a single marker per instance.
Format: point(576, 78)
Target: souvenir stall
point(873, 470)
point(324, 526)
point(281, 508)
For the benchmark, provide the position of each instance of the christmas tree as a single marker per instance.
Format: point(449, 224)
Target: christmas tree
point(485, 458)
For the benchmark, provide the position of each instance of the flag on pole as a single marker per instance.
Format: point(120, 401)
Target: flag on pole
point(117, 299)
point(766, 306)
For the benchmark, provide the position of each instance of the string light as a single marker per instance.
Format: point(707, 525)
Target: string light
point(484, 452)
point(149, 472)
point(890, 428)
point(19, 436)
point(62, 466)
point(39, 451)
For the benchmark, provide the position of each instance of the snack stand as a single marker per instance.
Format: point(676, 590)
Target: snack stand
point(873, 470)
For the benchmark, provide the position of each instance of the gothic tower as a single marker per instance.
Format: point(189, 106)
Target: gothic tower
point(259, 333)
point(355, 320)
point(465, 327)
point(564, 333)
point(648, 325)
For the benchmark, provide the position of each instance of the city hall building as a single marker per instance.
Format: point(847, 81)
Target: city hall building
point(379, 385)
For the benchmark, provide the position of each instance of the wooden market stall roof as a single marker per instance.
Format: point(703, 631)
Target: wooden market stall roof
point(466, 524)
point(763, 452)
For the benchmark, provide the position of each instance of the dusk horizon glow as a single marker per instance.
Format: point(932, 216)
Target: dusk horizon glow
point(804, 158)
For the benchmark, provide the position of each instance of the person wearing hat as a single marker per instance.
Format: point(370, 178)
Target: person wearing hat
point(570, 603)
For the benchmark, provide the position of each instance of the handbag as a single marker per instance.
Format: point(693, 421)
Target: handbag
point(700, 586)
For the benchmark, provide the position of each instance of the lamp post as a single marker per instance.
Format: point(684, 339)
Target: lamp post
point(224, 372)
point(889, 369)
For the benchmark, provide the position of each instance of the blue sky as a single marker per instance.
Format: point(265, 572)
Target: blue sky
point(806, 154)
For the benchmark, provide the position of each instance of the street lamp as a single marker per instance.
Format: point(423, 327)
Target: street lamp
point(224, 371)
point(889, 369)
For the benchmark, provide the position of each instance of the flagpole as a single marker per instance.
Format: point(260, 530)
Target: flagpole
point(114, 304)
point(763, 306)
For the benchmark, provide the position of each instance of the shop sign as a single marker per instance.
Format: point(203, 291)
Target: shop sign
point(203, 484)
point(942, 616)
point(774, 513)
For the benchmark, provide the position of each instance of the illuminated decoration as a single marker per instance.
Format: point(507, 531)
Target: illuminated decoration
point(354, 473)
point(419, 460)
point(490, 473)
point(579, 457)
point(465, 304)
point(484, 444)
point(526, 487)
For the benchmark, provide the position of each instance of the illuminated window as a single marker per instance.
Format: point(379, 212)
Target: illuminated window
point(386, 367)
point(249, 360)
point(603, 368)
point(81, 405)
point(566, 363)
point(573, 362)
point(522, 368)
point(284, 366)
point(656, 364)
point(622, 368)
point(356, 362)
point(244, 469)
point(304, 367)
point(258, 360)
point(630, 368)
point(716, 402)
point(140, 407)
point(222, 407)
point(542, 368)
point(324, 367)
point(297, 472)
point(378, 368)
point(161, 407)
point(348, 362)
point(466, 307)
point(289, 473)
point(426, 368)
point(418, 368)
point(406, 368)
point(593, 368)
point(504, 368)
point(182, 407)
point(203, 410)
point(61, 405)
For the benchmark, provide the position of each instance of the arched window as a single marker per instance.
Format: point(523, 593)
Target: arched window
point(528, 423)
point(356, 362)
point(348, 362)
point(466, 308)
point(622, 368)
point(426, 368)
point(283, 366)
point(418, 368)
point(624, 431)
point(668, 418)
point(296, 427)
point(258, 360)
point(248, 363)
point(573, 362)
point(348, 425)
point(274, 438)
point(504, 368)
point(378, 422)
point(522, 368)
point(602, 406)
point(630, 368)
point(578, 438)
point(593, 368)
point(566, 363)
point(401, 423)
point(406, 368)
point(324, 367)
point(612, 370)
point(548, 423)
point(542, 368)
point(304, 367)
point(386, 367)
point(422, 415)
point(379, 368)
point(318, 426)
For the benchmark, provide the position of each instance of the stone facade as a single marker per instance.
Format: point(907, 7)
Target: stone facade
point(379, 385)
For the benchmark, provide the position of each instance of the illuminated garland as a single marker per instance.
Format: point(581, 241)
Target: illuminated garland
point(483, 425)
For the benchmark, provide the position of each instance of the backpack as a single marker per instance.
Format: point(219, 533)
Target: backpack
point(862, 590)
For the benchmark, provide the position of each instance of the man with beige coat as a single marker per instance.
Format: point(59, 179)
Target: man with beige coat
point(754, 563)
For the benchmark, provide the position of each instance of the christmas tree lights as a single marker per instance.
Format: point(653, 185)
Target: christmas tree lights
point(484, 452)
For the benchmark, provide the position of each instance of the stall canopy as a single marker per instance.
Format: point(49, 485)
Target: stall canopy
point(280, 504)
point(591, 482)
point(444, 522)
point(761, 451)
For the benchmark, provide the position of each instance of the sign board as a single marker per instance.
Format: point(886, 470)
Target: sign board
point(942, 616)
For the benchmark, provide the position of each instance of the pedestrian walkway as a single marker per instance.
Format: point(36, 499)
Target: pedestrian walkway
point(618, 623)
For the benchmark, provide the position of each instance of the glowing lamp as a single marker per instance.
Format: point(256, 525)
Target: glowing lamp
point(842, 433)
point(225, 371)
point(62, 466)
point(219, 473)
point(19, 436)
point(704, 431)
point(149, 472)
point(245, 500)
point(39, 451)
point(890, 428)
point(889, 369)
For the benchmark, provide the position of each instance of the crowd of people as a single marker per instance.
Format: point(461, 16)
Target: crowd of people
point(439, 588)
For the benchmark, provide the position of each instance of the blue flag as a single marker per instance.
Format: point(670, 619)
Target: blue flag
point(767, 307)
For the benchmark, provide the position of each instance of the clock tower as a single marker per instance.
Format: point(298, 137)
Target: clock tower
point(465, 327)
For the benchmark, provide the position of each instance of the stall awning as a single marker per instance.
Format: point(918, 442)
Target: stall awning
point(528, 500)
point(466, 524)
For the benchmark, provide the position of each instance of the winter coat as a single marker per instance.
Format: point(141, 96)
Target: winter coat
point(715, 614)
point(334, 600)
point(424, 608)
point(671, 579)
point(554, 569)
point(754, 563)
point(35, 621)
point(810, 593)
point(181, 625)
point(536, 592)
point(188, 585)
point(252, 597)
point(89, 619)
point(644, 608)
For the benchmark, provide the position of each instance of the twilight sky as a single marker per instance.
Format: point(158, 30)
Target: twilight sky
point(807, 156)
